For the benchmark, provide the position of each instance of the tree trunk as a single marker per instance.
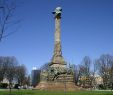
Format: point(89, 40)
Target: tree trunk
point(10, 88)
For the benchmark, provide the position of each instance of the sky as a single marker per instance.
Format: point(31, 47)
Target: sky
point(86, 30)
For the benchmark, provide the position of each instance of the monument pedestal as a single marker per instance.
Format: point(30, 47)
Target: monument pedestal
point(57, 86)
point(63, 82)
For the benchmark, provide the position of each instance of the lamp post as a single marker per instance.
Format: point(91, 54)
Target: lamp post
point(65, 81)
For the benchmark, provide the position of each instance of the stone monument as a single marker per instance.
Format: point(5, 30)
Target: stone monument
point(57, 58)
point(57, 76)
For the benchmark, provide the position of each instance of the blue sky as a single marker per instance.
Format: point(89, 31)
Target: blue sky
point(86, 30)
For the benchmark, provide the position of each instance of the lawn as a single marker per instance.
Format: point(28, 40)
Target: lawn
point(36, 92)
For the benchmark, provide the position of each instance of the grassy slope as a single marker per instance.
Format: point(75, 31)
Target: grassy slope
point(35, 92)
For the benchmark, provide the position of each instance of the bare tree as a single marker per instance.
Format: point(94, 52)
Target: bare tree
point(84, 72)
point(11, 69)
point(93, 74)
point(81, 80)
point(1, 69)
point(7, 8)
point(105, 68)
point(86, 64)
point(28, 80)
point(76, 73)
point(21, 74)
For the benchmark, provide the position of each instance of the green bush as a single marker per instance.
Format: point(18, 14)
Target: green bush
point(3, 85)
point(101, 87)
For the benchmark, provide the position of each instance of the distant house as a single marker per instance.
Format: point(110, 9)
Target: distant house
point(5, 80)
point(98, 79)
point(85, 81)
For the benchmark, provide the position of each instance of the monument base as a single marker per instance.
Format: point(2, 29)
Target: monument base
point(57, 78)
point(57, 86)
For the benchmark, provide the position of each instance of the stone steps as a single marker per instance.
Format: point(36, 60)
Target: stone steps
point(57, 86)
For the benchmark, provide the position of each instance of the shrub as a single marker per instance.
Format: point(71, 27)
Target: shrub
point(101, 86)
point(3, 85)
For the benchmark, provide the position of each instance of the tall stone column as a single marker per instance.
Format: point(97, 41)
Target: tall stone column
point(54, 77)
point(57, 48)
point(57, 56)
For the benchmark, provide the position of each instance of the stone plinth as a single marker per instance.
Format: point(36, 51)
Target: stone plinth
point(57, 86)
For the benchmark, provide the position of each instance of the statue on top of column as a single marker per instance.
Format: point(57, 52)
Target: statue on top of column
point(57, 12)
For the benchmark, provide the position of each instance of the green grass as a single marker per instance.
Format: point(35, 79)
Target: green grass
point(36, 92)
